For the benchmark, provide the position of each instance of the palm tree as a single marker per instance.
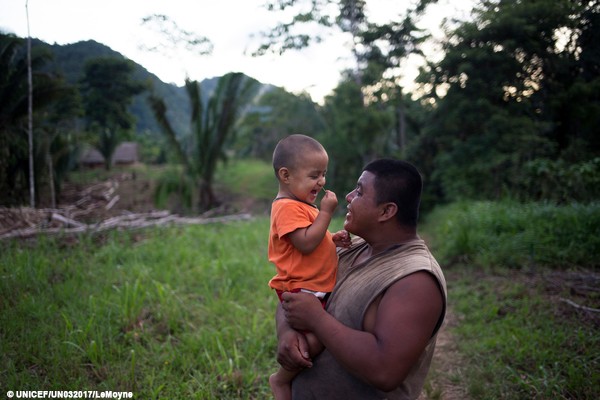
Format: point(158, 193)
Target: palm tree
point(211, 125)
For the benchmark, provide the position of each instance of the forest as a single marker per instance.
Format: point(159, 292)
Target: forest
point(511, 110)
point(503, 128)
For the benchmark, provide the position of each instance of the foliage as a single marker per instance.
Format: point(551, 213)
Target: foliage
point(174, 190)
point(356, 133)
point(249, 179)
point(155, 313)
point(107, 90)
point(379, 120)
point(151, 312)
point(276, 115)
point(211, 125)
point(510, 90)
point(560, 181)
point(516, 235)
point(49, 91)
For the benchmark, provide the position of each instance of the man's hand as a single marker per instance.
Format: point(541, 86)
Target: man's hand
point(292, 351)
point(292, 347)
point(301, 310)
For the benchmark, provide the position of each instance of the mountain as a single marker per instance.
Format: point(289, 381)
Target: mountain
point(70, 60)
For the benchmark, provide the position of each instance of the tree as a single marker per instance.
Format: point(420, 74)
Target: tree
point(355, 133)
point(211, 125)
point(59, 138)
point(14, 156)
point(378, 50)
point(107, 91)
point(518, 86)
point(276, 114)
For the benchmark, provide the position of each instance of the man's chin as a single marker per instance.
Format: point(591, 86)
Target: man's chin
point(347, 225)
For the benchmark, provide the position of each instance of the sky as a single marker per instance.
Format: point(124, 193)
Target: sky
point(233, 27)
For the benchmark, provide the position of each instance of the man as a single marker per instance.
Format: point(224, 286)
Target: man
point(382, 319)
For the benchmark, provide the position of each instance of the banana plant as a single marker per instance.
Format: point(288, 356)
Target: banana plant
point(212, 125)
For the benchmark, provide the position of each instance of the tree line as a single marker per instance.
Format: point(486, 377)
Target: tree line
point(510, 110)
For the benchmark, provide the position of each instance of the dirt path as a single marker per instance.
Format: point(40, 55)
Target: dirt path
point(444, 381)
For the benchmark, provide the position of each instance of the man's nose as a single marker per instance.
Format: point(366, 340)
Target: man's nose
point(350, 196)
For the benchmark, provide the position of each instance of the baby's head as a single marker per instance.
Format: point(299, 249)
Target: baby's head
point(292, 152)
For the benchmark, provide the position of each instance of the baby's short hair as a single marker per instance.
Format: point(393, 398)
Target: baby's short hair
point(290, 149)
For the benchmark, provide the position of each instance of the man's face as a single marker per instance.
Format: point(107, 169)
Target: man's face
point(362, 207)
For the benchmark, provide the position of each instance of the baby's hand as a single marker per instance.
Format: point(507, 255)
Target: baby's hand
point(342, 239)
point(329, 201)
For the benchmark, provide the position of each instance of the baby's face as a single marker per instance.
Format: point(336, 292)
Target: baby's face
point(308, 177)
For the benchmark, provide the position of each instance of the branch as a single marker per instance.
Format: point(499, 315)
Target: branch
point(130, 221)
point(573, 304)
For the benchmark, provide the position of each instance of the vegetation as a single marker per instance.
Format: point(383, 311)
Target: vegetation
point(183, 313)
point(510, 109)
point(108, 89)
point(509, 234)
point(154, 313)
point(212, 126)
point(503, 127)
point(519, 279)
point(516, 104)
point(51, 97)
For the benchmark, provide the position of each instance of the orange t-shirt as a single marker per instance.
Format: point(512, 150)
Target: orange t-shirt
point(315, 271)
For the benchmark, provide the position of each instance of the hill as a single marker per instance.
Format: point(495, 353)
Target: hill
point(69, 60)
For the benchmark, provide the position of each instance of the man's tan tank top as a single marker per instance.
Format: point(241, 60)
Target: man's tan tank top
point(356, 288)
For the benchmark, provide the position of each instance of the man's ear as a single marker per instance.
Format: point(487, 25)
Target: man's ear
point(387, 211)
point(283, 174)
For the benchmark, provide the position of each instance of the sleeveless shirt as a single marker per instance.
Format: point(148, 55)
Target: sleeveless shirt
point(356, 288)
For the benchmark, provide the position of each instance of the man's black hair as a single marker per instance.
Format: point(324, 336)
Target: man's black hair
point(398, 182)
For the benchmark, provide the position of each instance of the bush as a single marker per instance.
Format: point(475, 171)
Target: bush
point(516, 235)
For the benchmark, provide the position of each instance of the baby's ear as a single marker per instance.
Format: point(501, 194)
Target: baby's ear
point(283, 174)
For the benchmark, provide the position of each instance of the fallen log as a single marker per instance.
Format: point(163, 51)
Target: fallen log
point(128, 221)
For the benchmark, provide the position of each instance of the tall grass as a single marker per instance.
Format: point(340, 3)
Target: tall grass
point(170, 313)
point(248, 177)
point(517, 235)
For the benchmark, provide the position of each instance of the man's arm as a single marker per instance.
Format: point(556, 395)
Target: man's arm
point(397, 329)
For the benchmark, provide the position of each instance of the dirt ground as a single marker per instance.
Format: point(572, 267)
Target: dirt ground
point(446, 363)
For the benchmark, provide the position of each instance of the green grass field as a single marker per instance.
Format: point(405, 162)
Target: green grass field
point(186, 313)
point(167, 313)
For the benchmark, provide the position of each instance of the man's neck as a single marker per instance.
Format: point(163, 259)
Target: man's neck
point(388, 241)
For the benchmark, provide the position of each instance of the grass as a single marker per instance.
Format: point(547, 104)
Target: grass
point(518, 341)
point(517, 336)
point(516, 235)
point(251, 178)
point(171, 313)
point(176, 313)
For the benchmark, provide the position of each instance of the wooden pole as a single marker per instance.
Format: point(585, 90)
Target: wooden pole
point(30, 113)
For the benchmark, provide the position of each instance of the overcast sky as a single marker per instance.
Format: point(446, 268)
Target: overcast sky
point(229, 24)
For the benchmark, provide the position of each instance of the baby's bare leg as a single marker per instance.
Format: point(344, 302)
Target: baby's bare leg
point(281, 381)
